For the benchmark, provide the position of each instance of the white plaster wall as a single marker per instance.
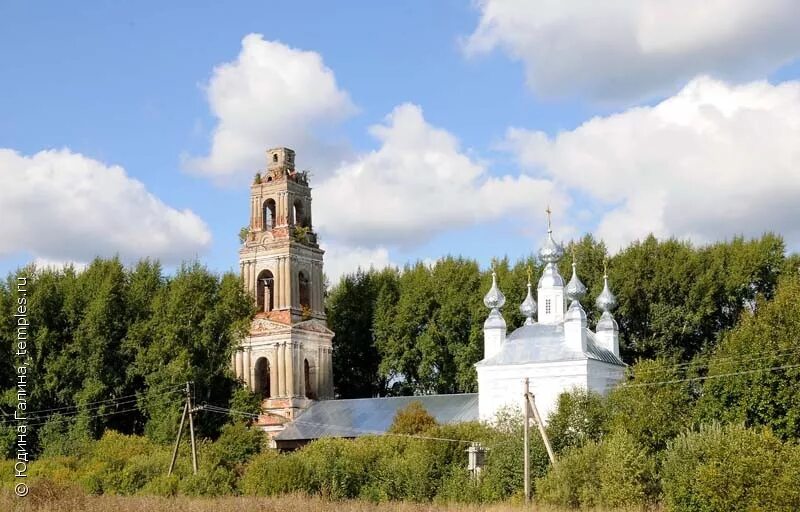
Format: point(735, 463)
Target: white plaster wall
point(502, 386)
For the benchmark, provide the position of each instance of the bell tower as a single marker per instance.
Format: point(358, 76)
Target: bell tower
point(287, 356)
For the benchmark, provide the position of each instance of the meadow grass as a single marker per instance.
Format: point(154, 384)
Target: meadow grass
point(48, 497)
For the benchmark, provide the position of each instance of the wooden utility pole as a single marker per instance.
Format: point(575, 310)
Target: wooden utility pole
point(530, 408)
point(187, 409)
point(526, 443)
point(542, 432)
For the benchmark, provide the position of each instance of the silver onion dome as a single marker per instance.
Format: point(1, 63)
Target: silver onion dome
point(606, 301)
point(494, 299)
point(528, 307)
point(551, 251)
point(575, 290)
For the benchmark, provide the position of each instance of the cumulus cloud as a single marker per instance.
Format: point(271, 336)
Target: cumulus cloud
point(714, 161)
point(62, 206)
point(271, 94)
point(631, 49)
point(343, 259)
point(417, 184)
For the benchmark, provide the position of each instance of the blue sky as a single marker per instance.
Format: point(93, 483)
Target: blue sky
point(509, 105)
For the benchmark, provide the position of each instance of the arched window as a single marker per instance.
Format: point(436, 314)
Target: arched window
point(275, 157)
point(261, 383)
point(307, 378)
point(265, 291)
point(305, 290)
point(269, 214)
point(299, 214)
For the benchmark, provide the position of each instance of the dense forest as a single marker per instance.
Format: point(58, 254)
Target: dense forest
point(710, 334)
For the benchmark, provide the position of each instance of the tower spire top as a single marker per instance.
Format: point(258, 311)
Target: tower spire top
point(549, 225)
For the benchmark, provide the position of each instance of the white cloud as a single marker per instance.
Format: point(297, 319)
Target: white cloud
point(62, 206)
point(342, 259)
point(417, 184)
point(271, 95)
point(713, 161)
point(631, 49)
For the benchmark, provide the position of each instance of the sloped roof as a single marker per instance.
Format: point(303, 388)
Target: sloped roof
point(544, 343)
point(369, 416)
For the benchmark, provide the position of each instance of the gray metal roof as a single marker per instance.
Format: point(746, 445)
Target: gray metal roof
point(366, 416)
point(544, 343)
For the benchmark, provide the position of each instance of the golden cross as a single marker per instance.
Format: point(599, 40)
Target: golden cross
point(605, 266)
point(529, 274)
point(549, 227)
point(573, 254)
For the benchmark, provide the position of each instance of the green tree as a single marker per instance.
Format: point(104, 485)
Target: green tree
point(750, 391)
point(351, 310)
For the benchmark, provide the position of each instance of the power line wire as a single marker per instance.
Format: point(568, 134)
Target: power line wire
point(707, 377)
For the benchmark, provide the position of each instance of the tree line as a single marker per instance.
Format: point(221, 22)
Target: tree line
point(111, 346)
point(419, 329)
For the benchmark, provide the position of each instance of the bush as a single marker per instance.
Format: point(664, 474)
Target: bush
point(236, 445)
point(731, 468)
point(615, 472)
point(412, 419)
point(580, 416)
point(270, 473)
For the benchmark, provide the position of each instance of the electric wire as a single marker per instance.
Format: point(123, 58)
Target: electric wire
point(707, 377)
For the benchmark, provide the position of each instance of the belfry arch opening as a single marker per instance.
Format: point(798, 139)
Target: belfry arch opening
point(265, 291)
point(261, 380)
point(299, 214)
point(268, 214)
point(304, 289)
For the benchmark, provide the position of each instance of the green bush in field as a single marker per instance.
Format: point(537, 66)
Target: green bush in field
point(236, 444)
point(270, 474)
point(209, 481)
point(503, 475)
point(614, 472)
point(731, 468)
point(580, 416)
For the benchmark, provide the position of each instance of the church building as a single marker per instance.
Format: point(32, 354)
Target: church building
point(287, 355)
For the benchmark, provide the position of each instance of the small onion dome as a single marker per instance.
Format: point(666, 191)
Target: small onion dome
point(575, 313)
point(528, 307)
point(606, 301)
point(495, 298)
point(551, 251)
point(575, 288)
point(607, 323)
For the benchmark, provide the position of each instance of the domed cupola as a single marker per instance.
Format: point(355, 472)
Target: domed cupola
point(528, 306)
point(607, 331)
point(550, 290)
point(494, 328)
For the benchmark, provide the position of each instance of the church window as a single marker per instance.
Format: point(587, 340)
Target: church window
point(269, 214)
point(265, 291)
point(261, 374)
point(309, 392)
point(275, 158)
point(305, 295)
point(547, 306)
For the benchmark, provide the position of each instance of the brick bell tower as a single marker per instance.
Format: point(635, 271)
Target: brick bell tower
point(287, 355)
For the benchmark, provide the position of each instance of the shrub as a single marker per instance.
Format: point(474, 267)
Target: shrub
point(731, 468)
point(236, 444)
point(580, 416)
point(615, 472)
point(270, 473)
point(412, 419)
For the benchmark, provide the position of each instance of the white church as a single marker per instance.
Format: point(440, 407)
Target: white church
point(287, 357)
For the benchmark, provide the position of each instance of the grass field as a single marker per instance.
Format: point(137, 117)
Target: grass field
point(46, 497)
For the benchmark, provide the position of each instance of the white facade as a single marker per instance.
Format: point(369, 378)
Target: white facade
point(557, 354)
